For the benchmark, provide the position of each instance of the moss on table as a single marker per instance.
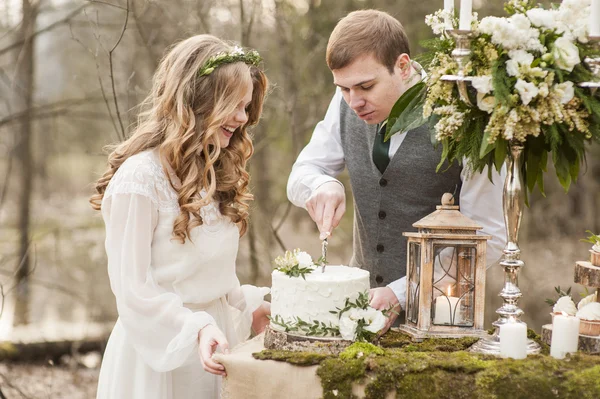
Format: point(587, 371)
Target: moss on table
point(441, 368)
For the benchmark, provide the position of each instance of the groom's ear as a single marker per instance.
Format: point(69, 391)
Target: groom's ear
point(402, 66)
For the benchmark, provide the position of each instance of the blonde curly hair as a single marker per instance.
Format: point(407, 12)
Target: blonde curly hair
point(183, 117)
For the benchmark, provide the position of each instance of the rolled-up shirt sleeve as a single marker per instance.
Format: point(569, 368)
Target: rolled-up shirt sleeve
point(161, 329)
point(321, 160)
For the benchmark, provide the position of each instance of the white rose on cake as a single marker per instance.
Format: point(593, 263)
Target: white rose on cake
point(376, 320)
point(373, 321)
point(304, 259)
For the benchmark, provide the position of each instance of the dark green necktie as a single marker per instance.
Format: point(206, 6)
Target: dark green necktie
point(381, 149)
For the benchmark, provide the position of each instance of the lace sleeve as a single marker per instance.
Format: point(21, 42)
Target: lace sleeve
point(144, 176)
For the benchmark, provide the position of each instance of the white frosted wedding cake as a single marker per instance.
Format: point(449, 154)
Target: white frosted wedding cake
point(307, 301)
point(313, 297)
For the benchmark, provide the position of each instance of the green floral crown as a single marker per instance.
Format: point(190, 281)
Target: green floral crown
point(236, 55)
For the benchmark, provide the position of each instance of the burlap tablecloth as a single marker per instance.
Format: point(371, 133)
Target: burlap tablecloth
point(248, 378)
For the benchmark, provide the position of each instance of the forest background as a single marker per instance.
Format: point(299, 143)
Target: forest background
point(71, 75)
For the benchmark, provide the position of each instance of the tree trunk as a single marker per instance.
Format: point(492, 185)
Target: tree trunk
point(24, 80)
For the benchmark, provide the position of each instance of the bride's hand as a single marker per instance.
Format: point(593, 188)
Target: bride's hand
point(260, 318)
point(209, 338)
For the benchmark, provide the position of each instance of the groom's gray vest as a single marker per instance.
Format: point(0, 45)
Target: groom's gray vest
point(387, 205)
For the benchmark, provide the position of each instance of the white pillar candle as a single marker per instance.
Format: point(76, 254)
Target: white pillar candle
point(513, 340)
point(446, 310)
point(594, 23)
point(565, 335)
point(466, 14)
point(449, 9)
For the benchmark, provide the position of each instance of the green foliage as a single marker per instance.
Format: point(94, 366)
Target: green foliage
point(237, 55)
point(592, 238)
point(407, 113)
point(361, 349)
point(361, 302)
point(560, 293)
point(296, 271)
point(411, 371)
point(314, 329)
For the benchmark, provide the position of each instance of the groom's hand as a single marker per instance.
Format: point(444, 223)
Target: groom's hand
point(326, 206)
point(383, 298)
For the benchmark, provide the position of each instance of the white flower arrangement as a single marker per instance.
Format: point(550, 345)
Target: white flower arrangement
point(295, 263)
point(525, 70)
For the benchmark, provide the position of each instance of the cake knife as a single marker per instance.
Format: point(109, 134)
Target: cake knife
point(324, 254)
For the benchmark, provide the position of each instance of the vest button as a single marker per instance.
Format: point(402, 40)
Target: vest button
point(383, 182)
point(379, 279)
point(382, 215)
point(380, 248)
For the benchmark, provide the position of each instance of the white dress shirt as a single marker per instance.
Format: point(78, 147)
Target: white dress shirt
point(323, 159)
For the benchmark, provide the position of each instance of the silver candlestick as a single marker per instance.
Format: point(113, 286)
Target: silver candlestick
point(593, 64)
point(512, 204)
point(461, 54)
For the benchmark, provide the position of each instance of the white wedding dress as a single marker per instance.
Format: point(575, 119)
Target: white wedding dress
point(166, 291)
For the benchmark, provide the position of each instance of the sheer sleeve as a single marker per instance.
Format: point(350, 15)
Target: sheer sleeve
point(157, 324)
point(245, 299)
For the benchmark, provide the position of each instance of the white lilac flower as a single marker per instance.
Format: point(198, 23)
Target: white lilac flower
point(483, 84)
point(543, 90)
point(566, 91)
point(486, 103)
point(304, 259)
point(546, 19)
point(566, 54)
point(571, 19)
point(436, 21)
point(514, 33)
point(528, 91)
point(518, 59)
point(237, 50)
point(596, 247)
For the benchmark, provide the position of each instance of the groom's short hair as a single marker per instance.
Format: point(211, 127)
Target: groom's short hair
point(367, 32)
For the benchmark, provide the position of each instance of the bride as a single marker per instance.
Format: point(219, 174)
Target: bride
point(175, 201)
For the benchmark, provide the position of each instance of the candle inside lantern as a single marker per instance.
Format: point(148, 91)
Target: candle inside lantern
point(449, 12)
point(466, 14)
point(446, 309)
point(594, 22)
point(565, 335)
point(513, 340)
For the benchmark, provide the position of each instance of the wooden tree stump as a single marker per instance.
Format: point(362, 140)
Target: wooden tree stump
point(280, 340)
point(586, 344)
point(587, 274)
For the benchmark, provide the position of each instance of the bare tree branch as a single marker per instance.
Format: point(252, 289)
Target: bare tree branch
point(6, 179)
point(107, 3)
point(45, 110)
point(11, 386)
point(53, 25)
point(112, 78)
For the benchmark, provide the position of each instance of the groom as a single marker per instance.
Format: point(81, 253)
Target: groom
point(394, 183)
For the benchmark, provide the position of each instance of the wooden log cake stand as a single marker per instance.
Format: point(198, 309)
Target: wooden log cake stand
point(280, 340)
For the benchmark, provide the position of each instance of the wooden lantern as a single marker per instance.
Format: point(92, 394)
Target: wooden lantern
point(446, 266)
